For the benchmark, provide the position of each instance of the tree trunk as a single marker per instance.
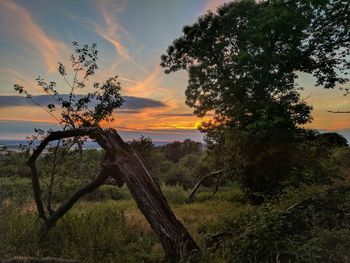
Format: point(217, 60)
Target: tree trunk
point(123, 164)
point(175, 239)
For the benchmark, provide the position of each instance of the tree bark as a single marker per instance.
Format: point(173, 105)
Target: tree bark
point(123, 164)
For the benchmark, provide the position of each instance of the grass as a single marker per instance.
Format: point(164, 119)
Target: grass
point(106, 226)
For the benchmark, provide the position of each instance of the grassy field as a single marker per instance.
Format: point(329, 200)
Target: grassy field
point(107, 226)
point(308, 224)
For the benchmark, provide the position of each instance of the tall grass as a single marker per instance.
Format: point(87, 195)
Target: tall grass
point(105, 226)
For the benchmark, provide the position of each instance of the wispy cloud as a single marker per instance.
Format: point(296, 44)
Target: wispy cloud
point(23, 23)
point(147, 86)
point(111, 30)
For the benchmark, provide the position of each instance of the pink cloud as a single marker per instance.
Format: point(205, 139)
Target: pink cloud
point(24, 24)
point(112, 31)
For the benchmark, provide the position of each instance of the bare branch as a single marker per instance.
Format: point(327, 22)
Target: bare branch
point(105, 172)
point(307, 97)
point(195, 188)
point(52, 178)
point(53, 136)
point(91, 131)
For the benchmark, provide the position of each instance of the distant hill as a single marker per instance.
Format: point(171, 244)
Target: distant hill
point(15, 144)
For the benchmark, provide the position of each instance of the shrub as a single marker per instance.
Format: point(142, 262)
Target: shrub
point(305, 232)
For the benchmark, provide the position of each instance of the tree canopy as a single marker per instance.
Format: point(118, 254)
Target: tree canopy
point(243, 63)
point(243, 60)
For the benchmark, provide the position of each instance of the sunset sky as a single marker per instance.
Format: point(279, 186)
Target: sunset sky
point(131, 35)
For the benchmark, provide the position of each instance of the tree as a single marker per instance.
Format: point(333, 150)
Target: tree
point(242, 63)
point(176, 150)
point(80, 119)
point(146, 149)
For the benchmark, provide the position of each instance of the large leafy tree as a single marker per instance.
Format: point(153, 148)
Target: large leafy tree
point(243, 64)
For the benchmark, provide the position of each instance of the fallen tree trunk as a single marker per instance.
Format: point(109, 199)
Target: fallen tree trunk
point(198, 184)
point(175, 239)
point(123, 164)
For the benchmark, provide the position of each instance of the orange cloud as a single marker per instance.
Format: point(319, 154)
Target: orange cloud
point(157, 119)
point(26, 113)
point(20, 78)
point(147, 86)
point(23, 23)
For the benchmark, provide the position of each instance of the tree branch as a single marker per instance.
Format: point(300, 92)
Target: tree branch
point(105, 172)
point(195, 188)
point(88, 131)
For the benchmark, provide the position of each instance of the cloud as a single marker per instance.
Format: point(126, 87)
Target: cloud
point(324, 100)
point(112, 30)
point(176, 114)
point(131, 103)
point(137, 103)
point(158, 119)
point(24, 24)
point(147, 86)
point(20, 129)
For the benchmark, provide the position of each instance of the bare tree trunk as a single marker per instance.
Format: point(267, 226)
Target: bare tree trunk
point(198, 184)
point(123, 164)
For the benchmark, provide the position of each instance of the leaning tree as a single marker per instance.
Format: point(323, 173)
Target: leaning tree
point(80, 116)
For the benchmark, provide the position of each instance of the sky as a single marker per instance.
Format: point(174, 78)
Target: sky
point(131, 35)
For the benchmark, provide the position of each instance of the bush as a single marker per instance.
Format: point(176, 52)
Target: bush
point(305, 232)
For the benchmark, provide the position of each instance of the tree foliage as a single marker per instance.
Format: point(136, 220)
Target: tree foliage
point(175, 150)
point(243, 63)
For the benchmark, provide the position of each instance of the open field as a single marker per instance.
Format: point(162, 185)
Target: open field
point(108, 230)
point(107, 226)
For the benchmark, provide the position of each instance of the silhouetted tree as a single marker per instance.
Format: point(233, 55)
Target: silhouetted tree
point(243, 62)
point(176, 150)
point(145, 148)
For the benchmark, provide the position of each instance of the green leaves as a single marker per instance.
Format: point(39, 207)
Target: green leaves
point(245, 57)
point(243, 63)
